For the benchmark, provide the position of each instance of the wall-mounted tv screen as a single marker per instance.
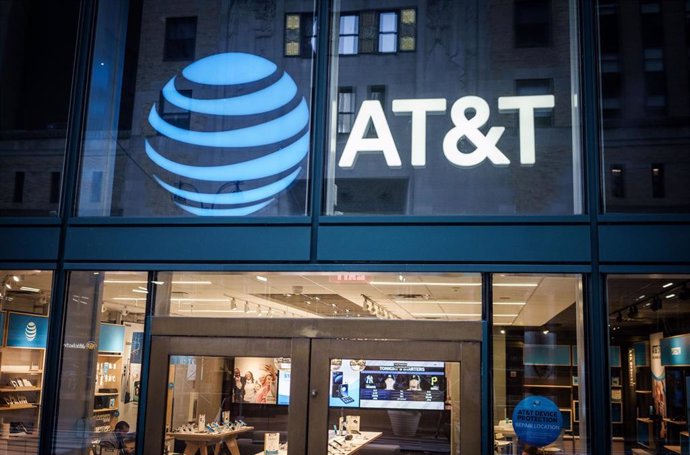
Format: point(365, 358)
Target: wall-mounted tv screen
point(388, 384)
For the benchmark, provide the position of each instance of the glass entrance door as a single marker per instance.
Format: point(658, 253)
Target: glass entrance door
point(394, 397)
point(315, 388)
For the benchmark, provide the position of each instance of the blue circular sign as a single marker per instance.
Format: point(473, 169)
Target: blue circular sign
point(537, 421)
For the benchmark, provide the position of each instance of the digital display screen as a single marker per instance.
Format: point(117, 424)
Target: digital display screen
point(388, 384)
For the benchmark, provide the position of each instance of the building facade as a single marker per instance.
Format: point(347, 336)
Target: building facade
point(337, 226)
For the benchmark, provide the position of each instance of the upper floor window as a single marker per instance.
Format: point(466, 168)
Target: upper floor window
point(180, 38)
point(349, 33)
point(532, 23)
point(300, 35)
point(388, 32)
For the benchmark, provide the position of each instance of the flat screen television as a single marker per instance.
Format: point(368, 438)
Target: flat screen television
point(388, 384)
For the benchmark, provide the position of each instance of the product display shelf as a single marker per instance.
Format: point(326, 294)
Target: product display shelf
point(106, 405)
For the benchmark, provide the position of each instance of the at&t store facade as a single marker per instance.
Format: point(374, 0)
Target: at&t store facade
point(396, 227)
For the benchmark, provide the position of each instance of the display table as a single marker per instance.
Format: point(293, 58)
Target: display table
point(201, 441)
point(354, 445)
point(509, 432)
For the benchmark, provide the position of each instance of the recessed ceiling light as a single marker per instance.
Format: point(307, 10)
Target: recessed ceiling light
point(261, 278)
point(670, 296)
point(139, 291)
point(667, 285)
point(503, 332)
point(29, 289)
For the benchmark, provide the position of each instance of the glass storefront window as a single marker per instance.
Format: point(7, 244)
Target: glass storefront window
point(193, 115)
point(650, 365)
point(645, 104)
point(24, 315)
point(37, 47)
point(316, 295)
point(537, 364)
point(450, 117)
point(100, 381)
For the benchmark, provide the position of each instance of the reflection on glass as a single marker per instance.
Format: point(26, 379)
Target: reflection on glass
point(199, 117)
point(645, 104)
point(648, 356)
point(226, 403)
point(420, 151)
point(378, 406)
point(390, 296)
point(36, 61)
point(100, 380)
point(24, 304)
point(537, 364)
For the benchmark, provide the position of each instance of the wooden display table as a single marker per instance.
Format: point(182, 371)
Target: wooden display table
point(201, 441)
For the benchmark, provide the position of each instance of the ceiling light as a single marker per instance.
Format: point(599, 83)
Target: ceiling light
point(503, 332)
point(28, 289)
point(421, 283)
point(233, 305)
point(7, 285)
point(546, 332)
point(667, 285)
point(15, 278)
point(641, 297)
point(139, 291)
point(261, 278)
point(401, 278)
point(159, 283)
point(670, 296)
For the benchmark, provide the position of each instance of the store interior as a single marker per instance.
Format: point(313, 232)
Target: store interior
point(535, 352)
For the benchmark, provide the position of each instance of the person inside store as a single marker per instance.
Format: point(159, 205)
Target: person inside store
point(128, 445)
point(116, 439)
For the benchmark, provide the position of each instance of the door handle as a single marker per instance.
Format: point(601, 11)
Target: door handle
point(314, 393)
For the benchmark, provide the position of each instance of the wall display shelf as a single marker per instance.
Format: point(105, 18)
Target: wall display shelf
point(21, 378)
point(109, 370)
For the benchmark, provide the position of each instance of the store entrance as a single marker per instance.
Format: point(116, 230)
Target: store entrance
point(308, 388)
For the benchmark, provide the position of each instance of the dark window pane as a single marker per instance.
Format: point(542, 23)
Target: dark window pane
point(408, 30)
point(180, 38)
point(532, 23)
point(293, 31)
point(658, 187)
point(645, 101)
point(18, 194)
point(55, 181)
point(37, 48)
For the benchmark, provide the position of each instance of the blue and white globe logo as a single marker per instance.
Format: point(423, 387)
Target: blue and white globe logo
point(247, 140)
point(30, 331)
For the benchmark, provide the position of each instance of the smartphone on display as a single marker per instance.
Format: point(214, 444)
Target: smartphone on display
point(344, 396)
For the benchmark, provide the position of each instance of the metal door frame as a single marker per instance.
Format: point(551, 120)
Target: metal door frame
point(310, 343)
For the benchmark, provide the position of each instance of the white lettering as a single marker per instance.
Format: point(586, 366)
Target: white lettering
point(525, 105)
point(469, 127)
point(371, 110)
point(419, 109)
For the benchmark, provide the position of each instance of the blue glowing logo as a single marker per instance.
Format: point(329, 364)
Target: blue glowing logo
point(249, 127)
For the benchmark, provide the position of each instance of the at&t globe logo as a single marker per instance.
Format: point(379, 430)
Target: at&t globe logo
point(30, 331)
point(247, 140)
